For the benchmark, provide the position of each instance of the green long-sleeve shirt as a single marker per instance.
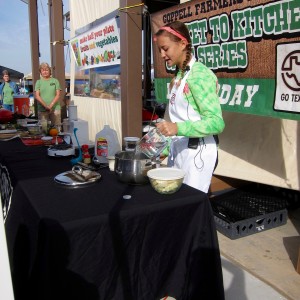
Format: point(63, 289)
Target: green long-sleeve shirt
point(201, 93)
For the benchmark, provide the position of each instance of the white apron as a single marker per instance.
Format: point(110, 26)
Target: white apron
point(198, 163)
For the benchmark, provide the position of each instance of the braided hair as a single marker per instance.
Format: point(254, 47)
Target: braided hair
point(182, 29)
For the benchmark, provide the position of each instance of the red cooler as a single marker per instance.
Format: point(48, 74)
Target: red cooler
point(21, 104)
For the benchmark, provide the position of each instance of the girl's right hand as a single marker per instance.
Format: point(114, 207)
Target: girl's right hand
point(167, 128)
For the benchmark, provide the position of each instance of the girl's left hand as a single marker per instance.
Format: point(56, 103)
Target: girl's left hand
point(167, 128)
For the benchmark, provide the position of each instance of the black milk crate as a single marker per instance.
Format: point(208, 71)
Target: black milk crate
point(241, 213)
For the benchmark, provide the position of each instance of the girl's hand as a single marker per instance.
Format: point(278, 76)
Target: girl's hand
point(167, 128)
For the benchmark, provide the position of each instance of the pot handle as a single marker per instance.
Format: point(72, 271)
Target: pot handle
point(118, 171)
point(154, 163)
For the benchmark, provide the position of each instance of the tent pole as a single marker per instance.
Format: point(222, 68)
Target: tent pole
point(57, 48)
point(34, 41)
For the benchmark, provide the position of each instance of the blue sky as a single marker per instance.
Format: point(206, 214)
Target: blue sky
point(15, 49)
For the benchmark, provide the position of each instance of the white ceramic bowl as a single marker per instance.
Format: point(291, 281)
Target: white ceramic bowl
point(166, 180)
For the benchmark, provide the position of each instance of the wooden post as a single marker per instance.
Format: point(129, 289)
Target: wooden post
point(57, 47)
point(298, 264)
point(131, 68)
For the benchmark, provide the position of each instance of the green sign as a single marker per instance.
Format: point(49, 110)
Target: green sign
point(243, 95)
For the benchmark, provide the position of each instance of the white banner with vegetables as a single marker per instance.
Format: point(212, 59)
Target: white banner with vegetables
point(98, 47)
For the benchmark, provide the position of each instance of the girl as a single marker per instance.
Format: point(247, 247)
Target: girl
point(194, 108)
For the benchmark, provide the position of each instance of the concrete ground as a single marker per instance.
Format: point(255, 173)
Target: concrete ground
point(241, 285)
point(270, 256)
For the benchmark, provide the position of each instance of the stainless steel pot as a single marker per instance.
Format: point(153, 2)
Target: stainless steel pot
point(132, 167)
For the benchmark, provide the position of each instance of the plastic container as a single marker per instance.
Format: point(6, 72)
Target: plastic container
point(130, 143)
point(72, 112)
point(111, 163)
point(240, 213)
point(106, 144)
point(21, 104)
point(66, 126)
point(34, 129)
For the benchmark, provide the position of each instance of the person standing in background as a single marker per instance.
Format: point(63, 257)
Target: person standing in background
point(47, 93)
point(8, 89)
point(194, 108)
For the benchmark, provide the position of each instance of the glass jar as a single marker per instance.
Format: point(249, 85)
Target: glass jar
point(85, 154)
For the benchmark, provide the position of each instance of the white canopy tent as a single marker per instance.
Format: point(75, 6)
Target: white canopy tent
point(29, 76)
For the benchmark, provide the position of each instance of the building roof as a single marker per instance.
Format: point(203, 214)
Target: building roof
point(13, 73)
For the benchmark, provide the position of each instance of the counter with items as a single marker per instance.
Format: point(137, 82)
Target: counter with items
point(106, 240)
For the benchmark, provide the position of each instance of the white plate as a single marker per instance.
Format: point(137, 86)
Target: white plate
point(46, 138)
point(8, 131)
point(71, 179)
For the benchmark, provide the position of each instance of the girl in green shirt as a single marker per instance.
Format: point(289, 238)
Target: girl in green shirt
point(194, 108)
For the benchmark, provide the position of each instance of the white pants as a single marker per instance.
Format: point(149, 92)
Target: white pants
point(198, 163)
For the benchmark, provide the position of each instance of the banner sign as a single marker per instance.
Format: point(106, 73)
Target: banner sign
point(97, 47)
point(288, 77)
point(252, 46)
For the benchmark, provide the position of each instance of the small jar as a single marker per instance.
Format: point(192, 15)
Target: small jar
point(86, 155)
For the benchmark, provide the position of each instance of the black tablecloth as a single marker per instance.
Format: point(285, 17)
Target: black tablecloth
point(90, 243)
